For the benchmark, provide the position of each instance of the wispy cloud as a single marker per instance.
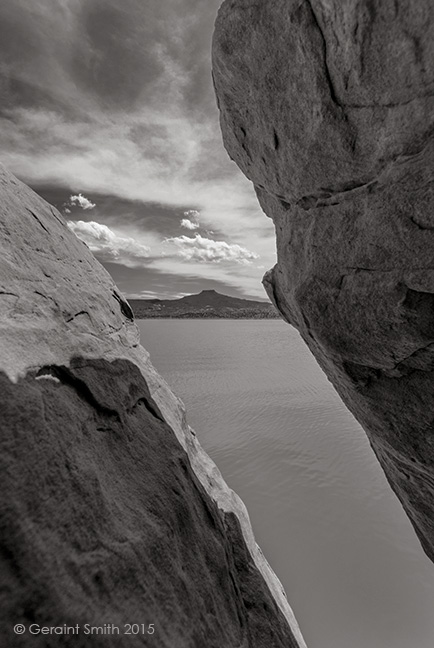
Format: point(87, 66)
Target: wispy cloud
point(108, 245)
point(151, 294)
point(119, 102)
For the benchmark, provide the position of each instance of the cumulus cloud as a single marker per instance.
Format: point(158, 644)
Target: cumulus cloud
point(188, 224)
point(110, 246)
point(192, 220)
point(206, 250)
point(81, 201)
point(155, 140)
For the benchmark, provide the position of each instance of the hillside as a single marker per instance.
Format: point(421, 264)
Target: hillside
point(206, 304)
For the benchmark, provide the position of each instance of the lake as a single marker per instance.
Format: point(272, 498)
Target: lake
point(320, 506)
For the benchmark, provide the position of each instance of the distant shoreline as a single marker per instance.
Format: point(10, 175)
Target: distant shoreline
point(201, 317)
point(208, 304)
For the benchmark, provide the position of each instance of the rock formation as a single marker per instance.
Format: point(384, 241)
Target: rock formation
point(327, 106)
point(111, 513)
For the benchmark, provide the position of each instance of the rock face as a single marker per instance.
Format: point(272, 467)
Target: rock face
point(328, 107)
point(111, 513)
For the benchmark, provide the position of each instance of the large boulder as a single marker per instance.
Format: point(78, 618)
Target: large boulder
point(111, 512)
point(327, 106)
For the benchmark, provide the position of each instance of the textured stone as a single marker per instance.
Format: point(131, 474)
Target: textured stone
point(111, 512)
point(106, 523)
point(328, 107)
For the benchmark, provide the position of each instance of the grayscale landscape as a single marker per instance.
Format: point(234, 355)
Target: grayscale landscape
point(217, 324)
point(208, 304)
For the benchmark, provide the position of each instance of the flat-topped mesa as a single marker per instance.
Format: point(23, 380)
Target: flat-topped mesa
point(328, 108)
point(111, 511)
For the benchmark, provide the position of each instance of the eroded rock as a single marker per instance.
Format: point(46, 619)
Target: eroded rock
point(111, 512)
point(328, 108)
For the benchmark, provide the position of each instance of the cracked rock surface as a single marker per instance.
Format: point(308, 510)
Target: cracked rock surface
point(327, 106)
point(110, 510)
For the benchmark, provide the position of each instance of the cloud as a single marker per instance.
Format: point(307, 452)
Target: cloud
point(192, 220)
point(188, 224)
point(155, 141)
point(151, 294)
point(207, 250)
point(81, 201)
point(109, 246)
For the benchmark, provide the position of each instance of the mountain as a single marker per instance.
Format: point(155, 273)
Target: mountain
point(206, 304)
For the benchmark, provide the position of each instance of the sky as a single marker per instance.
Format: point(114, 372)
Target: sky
point(108, 112)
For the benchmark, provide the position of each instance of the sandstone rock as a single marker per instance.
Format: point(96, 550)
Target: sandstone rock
point(111, 512)
point(328, 107)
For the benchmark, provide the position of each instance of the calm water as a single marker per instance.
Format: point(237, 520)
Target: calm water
point(320, 506)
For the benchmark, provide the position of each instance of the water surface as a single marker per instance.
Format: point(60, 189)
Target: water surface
point(319, 503)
